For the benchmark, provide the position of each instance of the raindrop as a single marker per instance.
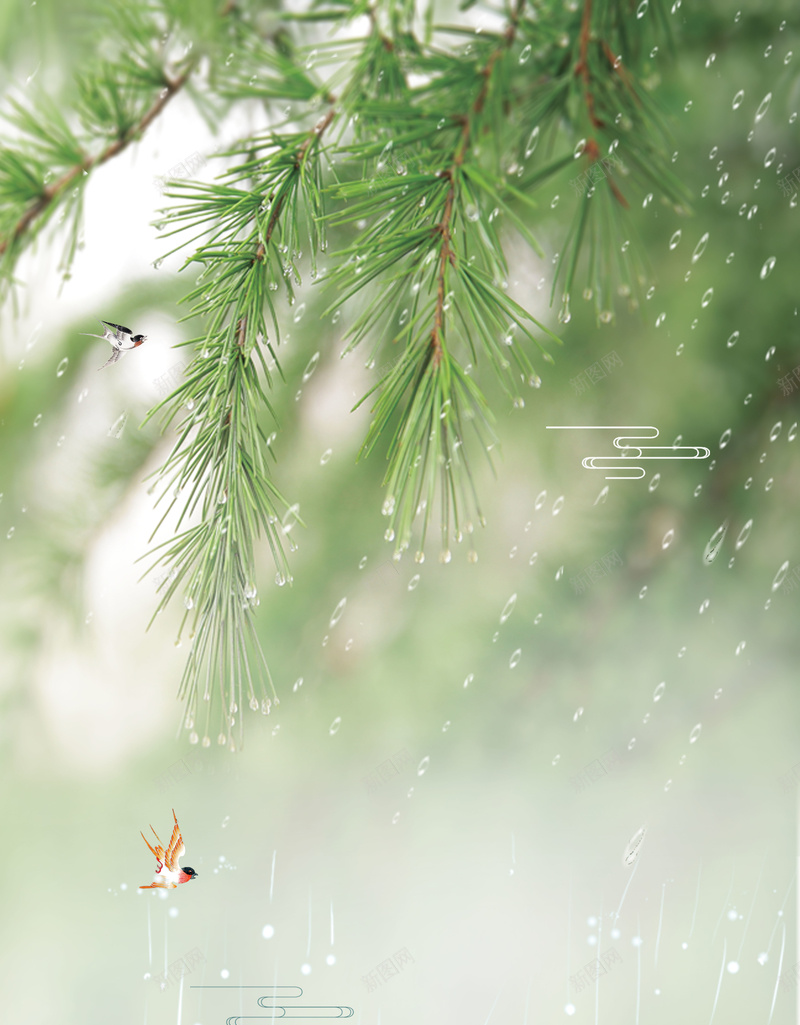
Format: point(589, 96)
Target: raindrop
point(658, 692)
point(468, 679)
point(780, 576)
point(558, 505)
point(540, 500)
point(740, 647)
point(311, 366)
point(704, 605)
point(508, 608)
point(714, 545)
point(334, 726)
point(737, 99)
point(633, 848)
point(763, 106)
point(301, 309)
point(695, 733)
point(532, 142)
point(668, 538)
point(768, 159)
point(766, 270)
point(643, 592)
point(337, 612)
point(578, 714)
point(513, 662)
point(602, 496)
point(700, 248)
point(413, 582)
point(744, 533)
point(422, 768)
point(656, 480)
point(533, 558)
point(525, 54)
point(641, 10)
point(776, 430)
point(707, 296)
point(326, 455)
point(733, 340)
point(673, 242)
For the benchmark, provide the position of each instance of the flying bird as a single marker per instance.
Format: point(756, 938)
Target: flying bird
point(167, 868)
point(121, 339)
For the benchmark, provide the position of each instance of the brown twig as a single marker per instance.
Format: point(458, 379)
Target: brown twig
point(315, 133)
point(582, 67)
point(591, 149)
point(50, 192)
point(443, 228)
point(616, 64)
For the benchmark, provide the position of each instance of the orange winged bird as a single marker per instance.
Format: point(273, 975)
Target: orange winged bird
point(167, 868)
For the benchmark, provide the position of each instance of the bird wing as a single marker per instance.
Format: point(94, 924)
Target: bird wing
point(176, 848)
point(120, 329)
point(113, 358)
point(158, 850)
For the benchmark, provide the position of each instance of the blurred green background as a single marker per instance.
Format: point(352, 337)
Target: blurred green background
point(415, 789)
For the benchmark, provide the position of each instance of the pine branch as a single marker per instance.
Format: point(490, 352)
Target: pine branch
point(218, 457)
point(420, 184)
point(51, 193)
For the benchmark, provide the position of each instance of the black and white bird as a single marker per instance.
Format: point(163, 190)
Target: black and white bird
point(121, 340)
